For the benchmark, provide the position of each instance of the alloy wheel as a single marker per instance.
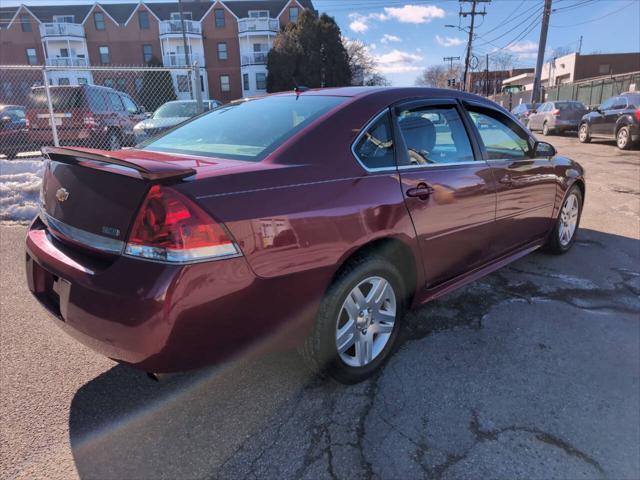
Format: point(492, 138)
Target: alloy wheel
point(622, 138)
point(365, 321)
point(582, 134)
point(568, 219)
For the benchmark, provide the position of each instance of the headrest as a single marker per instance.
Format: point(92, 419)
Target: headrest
point(419, 133)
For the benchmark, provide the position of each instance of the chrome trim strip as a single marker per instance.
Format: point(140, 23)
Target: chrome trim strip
point(97, 242)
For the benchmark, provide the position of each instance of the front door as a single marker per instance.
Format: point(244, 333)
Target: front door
point(448, 188)
point(526, 185)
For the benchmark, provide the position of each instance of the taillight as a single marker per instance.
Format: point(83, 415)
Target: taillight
point(638, 115)
point(26, 123)
point(171, 228)
point(555, 113)
point(89, 121)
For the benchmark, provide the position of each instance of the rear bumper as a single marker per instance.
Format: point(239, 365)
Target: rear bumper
point(159, 317)
point(80, 136)
point(565, 124)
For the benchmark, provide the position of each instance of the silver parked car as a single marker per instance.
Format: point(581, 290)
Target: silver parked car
point(557, 117)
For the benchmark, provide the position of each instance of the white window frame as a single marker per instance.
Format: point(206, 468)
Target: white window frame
point(61, 18)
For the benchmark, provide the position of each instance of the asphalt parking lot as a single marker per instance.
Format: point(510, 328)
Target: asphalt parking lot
point(532, 372)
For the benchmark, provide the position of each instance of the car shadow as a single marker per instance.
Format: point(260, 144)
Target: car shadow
point(124, 425)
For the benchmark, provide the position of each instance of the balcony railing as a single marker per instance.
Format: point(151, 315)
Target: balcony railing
point(67, 62)
point(61, 30)
point(175, 26)
point(256, 58)
point(180, 60)
point(258, 25)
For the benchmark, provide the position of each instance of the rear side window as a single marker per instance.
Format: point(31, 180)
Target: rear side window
point(502, 138)
point(116, 103)
point(96, 101)
point(375, 147)
point(434, 135)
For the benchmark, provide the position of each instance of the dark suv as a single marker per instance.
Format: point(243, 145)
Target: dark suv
point(85, 115)
point(617, 118)
point(13, 130)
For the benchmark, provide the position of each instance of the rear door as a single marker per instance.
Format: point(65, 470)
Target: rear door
point(448, 188)
point(526, 185)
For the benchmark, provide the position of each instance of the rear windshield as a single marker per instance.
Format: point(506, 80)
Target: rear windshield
point(570, 106)
point(247, 130)
point(177, 109)
point(61, 98)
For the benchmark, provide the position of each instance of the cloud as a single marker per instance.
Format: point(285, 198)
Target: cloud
point(449, 41)
point(398, 61)
point(386, 38)
point(415, 13)
point(406, 14)
point(359, 26)
point(523, 47)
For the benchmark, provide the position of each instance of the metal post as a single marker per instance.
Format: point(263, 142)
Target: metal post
point(54, 129)
point(535, 93)
point(196, 87)
point(187, 55)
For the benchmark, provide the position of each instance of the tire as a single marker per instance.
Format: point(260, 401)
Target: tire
point(374, 330)
point(583, 133)
point(113, 141)
point(568, 221)
point(545, 129)
point(623, 138)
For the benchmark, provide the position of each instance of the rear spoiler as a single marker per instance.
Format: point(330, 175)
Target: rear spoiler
point(152, 170)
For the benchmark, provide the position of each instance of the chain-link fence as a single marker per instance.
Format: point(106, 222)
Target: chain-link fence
point(590, 92)
point(94, 107)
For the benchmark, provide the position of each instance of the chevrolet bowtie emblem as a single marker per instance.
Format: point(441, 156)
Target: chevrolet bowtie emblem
point(62, 194)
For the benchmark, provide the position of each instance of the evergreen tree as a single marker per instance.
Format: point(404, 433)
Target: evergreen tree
point(308, 53)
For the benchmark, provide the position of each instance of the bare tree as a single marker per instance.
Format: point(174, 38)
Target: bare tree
point(362, 64)
point(559, 52)
point(502, 61)
point(437, 76)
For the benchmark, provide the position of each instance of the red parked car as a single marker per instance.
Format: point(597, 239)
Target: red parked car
point(312, 220)
point(84, 115)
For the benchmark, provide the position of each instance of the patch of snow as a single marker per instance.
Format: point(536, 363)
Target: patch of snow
point(20, 188)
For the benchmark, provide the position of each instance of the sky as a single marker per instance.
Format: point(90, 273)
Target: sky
point(407, 36)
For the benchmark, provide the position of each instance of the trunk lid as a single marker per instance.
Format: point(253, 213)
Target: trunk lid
point(91, 197)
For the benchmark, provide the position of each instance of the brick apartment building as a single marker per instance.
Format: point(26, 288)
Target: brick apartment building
point(229, 40)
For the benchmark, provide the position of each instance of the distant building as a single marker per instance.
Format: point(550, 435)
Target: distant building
point(490, 83)
point(575, 67)
point(229, 40)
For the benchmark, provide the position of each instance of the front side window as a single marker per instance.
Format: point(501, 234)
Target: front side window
point(104, 55)
point(222, 51)
point(502, 138)
point(225, 84)
point(32, 58)
point(129, 105)
point(293, 14)
point(607, 104)
point(98, 20)
point(619, 103)
point(25, 22)
point(219, 14)
point(434, 135)
point(245, 130)
point(143, 20)
point(116, 103)
point(375, 147)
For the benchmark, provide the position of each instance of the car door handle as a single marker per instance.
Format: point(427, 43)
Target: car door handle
point(422, 191)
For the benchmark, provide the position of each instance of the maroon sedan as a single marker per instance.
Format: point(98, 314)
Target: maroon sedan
point(311, 220)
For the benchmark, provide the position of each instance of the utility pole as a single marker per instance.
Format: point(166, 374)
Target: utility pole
point(450, 60)
point(580, 45)
point(535, 93)
point(473, 14)
point(486, 75)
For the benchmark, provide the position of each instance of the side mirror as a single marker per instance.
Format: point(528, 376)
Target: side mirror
point(544, 149)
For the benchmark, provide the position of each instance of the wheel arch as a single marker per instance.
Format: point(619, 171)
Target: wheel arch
point(394, 249)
